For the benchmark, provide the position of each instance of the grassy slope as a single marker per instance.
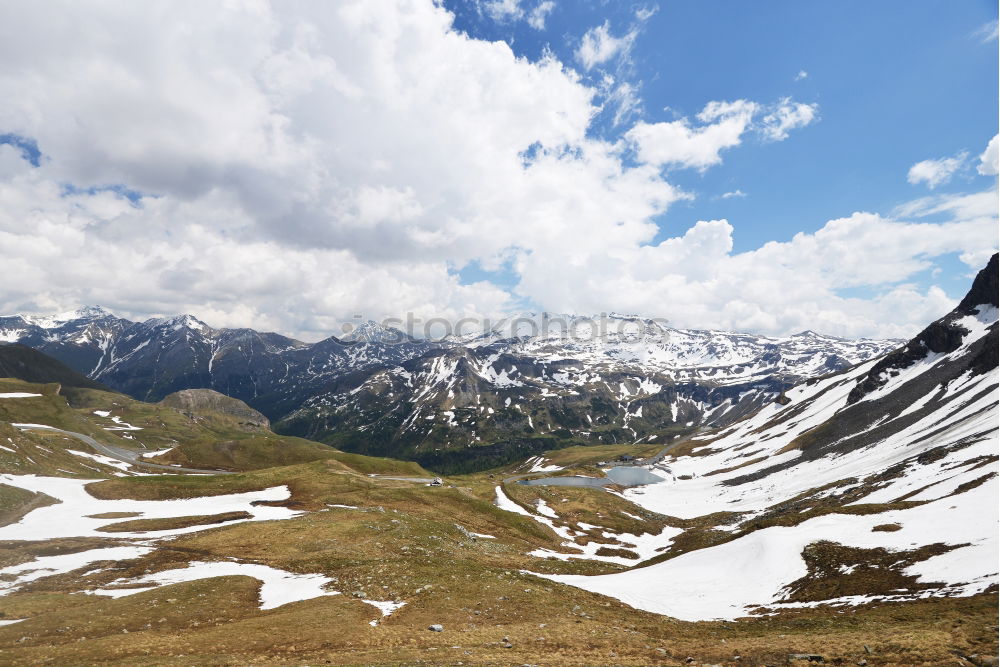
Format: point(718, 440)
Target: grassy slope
point(25, 363)
point(403, 542)
point(16, 502)
point(42, 453)
point(210, 440)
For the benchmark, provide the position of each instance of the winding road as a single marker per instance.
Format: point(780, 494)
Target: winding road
point(669, 447)
point(119, 453)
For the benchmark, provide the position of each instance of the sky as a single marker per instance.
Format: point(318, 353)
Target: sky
point(768, 167)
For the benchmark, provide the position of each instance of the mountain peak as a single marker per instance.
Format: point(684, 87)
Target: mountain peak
point(984, 288)
point(809, 333)
point(53, 321)
point(179, 322)
point(373, 332)
point(945, 336)
point(91, 312)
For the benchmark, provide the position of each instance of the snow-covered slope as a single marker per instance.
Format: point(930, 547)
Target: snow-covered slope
point(624, 342)
point(80, 339)
point(638, 381)
point(879, 482)
point(517, 388)
point(152, 359)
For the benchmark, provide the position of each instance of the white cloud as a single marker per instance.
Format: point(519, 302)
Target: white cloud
point(304, 166)
point(960, 206)
point(313, 165)
point(681, 143)
point(598, 45)
point(988, 160)
point(734, 193)
point(936, 172)
point(696, 280)
point(785, 116)
point(626, 102)
point(988, 32)
point(503, 10)
point(620, 91)
point(536, 17)
point(643, 14)
point(802, 75)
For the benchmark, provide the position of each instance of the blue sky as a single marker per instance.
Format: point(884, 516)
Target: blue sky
point(896, 82)
point(764, 166)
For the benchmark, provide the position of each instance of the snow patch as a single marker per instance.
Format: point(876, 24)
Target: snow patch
point(277, 589)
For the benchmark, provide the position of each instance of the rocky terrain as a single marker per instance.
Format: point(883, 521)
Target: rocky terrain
point(876, 483)
point(193, 402)
point(489, 397)
point(853, 522)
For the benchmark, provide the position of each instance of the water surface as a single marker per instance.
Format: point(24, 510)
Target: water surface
point(622, 475)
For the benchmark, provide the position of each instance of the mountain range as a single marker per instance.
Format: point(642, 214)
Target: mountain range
point(855, 501)
point(877, 484)
point(462, 402)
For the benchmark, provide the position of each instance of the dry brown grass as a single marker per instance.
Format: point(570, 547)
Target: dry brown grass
point(172, 523)
point(406, 542)
point(402, 543)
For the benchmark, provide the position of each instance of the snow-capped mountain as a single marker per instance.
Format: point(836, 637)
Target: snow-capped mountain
point(78, 338)
point(539, 381)
point(505, 391)
point(373, 332)
point(154, 358)
point(685, 355)
point(878, 483)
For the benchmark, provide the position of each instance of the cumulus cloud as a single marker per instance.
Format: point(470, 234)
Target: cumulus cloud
point(989, 158)
point(734, 193)
point(598, 45)
point(698, 281)
point(719, 126)
point(785, 116)
point(286, 168)
point(357, 156)
point(683, 143)
point(802, 75)
point(936, 172)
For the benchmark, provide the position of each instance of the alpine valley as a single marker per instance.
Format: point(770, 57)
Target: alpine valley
point(705, 499)
point(458, 404)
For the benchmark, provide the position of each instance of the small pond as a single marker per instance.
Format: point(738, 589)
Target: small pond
point(623, 475)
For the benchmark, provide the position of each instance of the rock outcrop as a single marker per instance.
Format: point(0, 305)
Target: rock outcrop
point(199, 401)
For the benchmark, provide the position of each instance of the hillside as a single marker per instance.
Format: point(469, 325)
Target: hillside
point(25, 363)
point(463, 403)
point(867, 500)
point(207, 402)
point(874, 484)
